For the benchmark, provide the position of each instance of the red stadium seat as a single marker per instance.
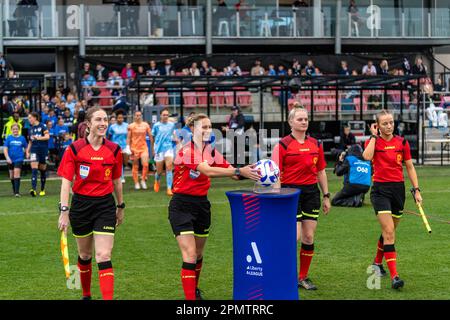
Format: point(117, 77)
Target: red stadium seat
point(229, 98)
point(163, 98)
point(244, 98)
point(202, 98)
point(190, 99)
point(218, 99)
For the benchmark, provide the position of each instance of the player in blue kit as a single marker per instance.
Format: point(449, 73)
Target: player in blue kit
point(117, 133)
point(37, 152)
point(15, 146)
point(163, 136)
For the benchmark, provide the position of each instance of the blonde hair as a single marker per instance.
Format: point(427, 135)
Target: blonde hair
point(297, 107)
point(196, 117)
point(382, 113)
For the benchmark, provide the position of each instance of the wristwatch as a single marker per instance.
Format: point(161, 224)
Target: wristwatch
point(327, 195)
point(237, 172)
point(63, 208)
point(121, 206)
point(417, 189)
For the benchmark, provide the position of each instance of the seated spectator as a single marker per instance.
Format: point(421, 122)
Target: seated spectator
point(271, 71)
point(87, 69)
point(140, 72)
point(318, 72)
point(296, 67)
point(419, 67)
point(354, 72)
point(357, 178)
point(153, 70)
point(168, 69)
point(71, 102)
point(101, 73)
point(194, 70)
point(11, 74)
point(383, 68)
point(344, 71)
point(52, 116)
point(257, 69)
point(281, 70)
point(369, 69)
point(206, 69)
point(406, 66)
point(310, 69)
point(233, 69)
point(128, 74)
point(115, 80)
point(2, 66)
point(88, 81)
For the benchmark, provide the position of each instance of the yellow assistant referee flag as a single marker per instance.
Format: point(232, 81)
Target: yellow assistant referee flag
point(65, 254)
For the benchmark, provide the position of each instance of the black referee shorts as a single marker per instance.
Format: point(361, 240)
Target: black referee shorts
point(92, 215)
point(190, 215)
point(388, 197)
point(308, 202)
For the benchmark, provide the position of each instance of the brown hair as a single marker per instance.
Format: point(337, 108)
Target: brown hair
point(90, 114)
point(165, 109)
point(197, 117)
point(383, 112)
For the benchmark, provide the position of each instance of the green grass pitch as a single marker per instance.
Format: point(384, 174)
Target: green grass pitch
point(147, 261)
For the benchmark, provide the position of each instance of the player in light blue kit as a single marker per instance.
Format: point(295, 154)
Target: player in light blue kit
point(163, 136)
point(117, 133)
point(15, 146)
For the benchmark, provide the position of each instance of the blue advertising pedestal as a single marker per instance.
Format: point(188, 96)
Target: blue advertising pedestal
point(264, 244)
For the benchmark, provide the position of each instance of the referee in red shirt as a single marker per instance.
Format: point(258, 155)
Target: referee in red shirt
point(387, 153)
point(96, 164)
point(189, 208)
point(302, 165)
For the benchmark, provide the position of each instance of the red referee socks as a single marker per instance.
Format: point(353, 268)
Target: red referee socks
point(198, 269)
point(391, 259)
point(380, 251)
point(306, 255)
point(106, 278)
point(85, 268)
point(189, 280)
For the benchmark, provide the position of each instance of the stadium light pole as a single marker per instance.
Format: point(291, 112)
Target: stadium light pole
point(208, 27)
point(338, 45)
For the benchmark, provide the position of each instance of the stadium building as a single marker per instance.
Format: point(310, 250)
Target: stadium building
point(54, 38)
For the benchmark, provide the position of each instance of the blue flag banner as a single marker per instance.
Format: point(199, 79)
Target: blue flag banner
point(264, 244)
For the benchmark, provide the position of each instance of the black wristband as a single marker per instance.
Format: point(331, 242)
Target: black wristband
point(374, 136)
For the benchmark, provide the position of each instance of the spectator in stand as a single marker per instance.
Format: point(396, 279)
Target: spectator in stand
point(406, 66)
point(81, 125)
point(71, 103)
point(236, 121)
point(383, 69)
point(354, 72)
point(168, 69)
point(318, 72)
point(206, 69)
point(101, 73)
point(354, 12)
point(153, 70)
point(68, 118)
point(52, 116)
point(2, 66)
point(271, 71)
point(419, 67)
point(310, 69)
point(140, 72)
point(60, 108)
point(87, 69)
point(87, 83)
point(185, 72)
point(194, 70)
point(296, 67)
point(60, 129)
point(257, 69)
point(115, 80)
point(233, 69)
point(11, 74)
point(344, 70)
point(281, 70)
point(46, 99)
point(369, 69)
point(128, 74)
point(242, 9)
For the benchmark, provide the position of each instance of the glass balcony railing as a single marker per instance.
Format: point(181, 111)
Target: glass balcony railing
point(371, 19)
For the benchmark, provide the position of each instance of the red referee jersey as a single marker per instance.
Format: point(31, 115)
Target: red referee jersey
point(299, 163)
point(94, 171)
point(186, 179)
point(388, 159)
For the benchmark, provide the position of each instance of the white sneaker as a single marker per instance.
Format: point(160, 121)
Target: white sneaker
point(123, 180)
point(143, 184)
point(137, 186)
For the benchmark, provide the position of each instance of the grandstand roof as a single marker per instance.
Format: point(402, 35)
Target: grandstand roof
point(237, 83)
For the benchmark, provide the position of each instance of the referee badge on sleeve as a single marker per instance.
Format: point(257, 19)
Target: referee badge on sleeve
point(84, 171)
